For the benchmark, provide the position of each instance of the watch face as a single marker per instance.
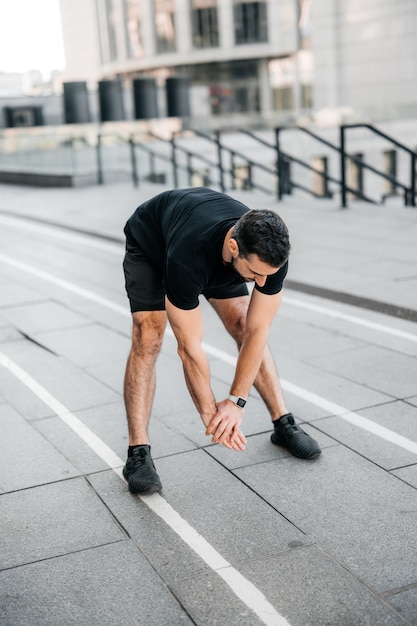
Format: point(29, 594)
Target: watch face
point(241, 402)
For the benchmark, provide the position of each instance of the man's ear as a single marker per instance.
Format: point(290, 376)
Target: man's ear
point(233, 247)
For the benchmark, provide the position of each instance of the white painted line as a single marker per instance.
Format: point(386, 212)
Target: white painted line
point(353, 418)
point(84, 293)
point(115, 248)
point(334, 409)
point(94, 442)
point(312, 398)
point(353, 319)
point(57, 233)
point(243, 588)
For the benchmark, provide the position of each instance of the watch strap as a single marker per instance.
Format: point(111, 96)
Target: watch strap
point(237, 400)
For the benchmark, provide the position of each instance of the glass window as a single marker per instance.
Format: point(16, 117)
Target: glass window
point(164, 13)
point(204, 21)
point(107, 23)
point(250, 18)
point(288, 74)
point(133, 21)
point(232, 86)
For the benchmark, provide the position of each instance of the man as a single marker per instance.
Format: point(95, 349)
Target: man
point(190, 242)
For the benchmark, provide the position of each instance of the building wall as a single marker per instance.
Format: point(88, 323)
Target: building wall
point(81, 40)
point(365, 56)
point(281, 31)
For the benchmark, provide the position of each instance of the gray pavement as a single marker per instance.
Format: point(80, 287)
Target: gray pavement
point(263, 538)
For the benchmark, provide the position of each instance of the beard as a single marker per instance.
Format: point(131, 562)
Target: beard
point(231, 268)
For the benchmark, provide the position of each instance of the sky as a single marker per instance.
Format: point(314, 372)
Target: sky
point(30, 36)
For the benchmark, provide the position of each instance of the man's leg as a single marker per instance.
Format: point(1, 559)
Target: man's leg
point(232, 312)
point(139, 389)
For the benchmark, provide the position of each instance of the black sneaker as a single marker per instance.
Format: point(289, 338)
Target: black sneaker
point(299, 443)
point(140, 471)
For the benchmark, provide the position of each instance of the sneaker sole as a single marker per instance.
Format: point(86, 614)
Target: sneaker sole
point(299, 456)
point(151, 489)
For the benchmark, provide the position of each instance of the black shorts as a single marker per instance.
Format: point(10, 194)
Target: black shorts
point(144, 284)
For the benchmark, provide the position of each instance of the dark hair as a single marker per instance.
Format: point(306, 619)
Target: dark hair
point(263, 233)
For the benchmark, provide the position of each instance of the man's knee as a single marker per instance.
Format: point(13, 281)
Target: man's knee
point(148, 331)
point(235, 321)
point(237, 326)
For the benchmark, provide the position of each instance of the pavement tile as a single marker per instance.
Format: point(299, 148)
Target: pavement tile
point(398, 416)
point(9, 333)
point(86, 345)
point(21, 398)
point(374, 366)
point(171, 558)
point(406, 604)
point(14, 292)
point(65, 381)
point(172, 396)
point(40, 316)
point(213, 501)
point(310, 589)
point(110, 373)
point(260, 449)
point(295, 306)
point(412, 400)
point(26, 458)
point(224, 608)
point(103, 586)
point(407, 474)
point(109, 423)
point(346, 504)
point(302, 341)
point(332, 387)
point(52, 520)
point(62, 437)
point(187, 424)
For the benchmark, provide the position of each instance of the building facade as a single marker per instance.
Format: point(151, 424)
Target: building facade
point(241, 56)
point(271, 58)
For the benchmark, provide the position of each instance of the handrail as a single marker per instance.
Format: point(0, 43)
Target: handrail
point(383, 135)
point(410, 192)
point(220, 163)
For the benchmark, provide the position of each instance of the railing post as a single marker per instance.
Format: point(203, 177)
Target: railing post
point(343, 168)
point(152, 173)
point(133, 162)
point(280, 168)
point(100, 179)
point(189, 169)
point(220, 161)
point(232, 168)
point(174, 162)
point(412, 198)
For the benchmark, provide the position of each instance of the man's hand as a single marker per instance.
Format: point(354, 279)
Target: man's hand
point(225, 426)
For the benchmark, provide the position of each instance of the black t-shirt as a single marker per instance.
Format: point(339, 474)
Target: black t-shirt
point(182, 232)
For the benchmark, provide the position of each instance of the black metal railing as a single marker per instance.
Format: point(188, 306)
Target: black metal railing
point(409, 190)
point(222, 159)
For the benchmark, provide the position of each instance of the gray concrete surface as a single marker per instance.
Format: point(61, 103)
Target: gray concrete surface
point(330, 542)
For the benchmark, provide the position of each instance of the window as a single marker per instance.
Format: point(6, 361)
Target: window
point(250, 21)
point(107, 24)
point(232, 86)
point(133, 21)
point(282, 77)
point(204, 21)
point(164, 13)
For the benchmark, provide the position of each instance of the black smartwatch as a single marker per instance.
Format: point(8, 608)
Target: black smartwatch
point(238, 401)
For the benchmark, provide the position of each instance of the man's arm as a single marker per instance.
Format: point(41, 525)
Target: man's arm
point(187, 326)
point(261, 312)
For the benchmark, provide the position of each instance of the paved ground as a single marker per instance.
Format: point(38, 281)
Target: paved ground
point(235, 538)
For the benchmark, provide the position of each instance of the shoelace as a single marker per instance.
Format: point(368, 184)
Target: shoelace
point(138, 459)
